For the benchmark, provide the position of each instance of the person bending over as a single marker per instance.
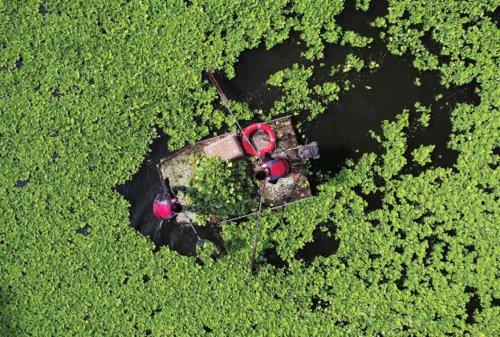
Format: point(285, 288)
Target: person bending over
point(272, 169)
point(165, 205)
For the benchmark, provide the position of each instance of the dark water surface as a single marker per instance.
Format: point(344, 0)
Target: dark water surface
point(342, 131)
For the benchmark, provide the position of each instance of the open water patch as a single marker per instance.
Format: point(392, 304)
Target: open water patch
point(323, 244)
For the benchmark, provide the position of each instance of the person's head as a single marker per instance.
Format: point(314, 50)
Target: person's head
point(176, 207)
point(260, 175)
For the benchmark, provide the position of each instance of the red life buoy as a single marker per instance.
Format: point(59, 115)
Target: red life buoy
point(250, 130)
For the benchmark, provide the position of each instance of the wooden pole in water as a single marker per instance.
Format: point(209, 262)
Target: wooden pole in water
point(226, 104)
point(256, 238)
point(258, 212)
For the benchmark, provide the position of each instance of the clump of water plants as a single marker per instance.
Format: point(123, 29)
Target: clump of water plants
point(206, 251)
point(422, 154)
point(352, 62)
point(355, 40)
point(298, 96)
point(424, 112)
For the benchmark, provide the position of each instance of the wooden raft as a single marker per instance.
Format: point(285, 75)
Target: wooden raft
point(291, 188)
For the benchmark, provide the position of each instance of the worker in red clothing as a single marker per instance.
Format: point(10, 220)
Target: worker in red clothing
point(166, 205)
point(273, 169)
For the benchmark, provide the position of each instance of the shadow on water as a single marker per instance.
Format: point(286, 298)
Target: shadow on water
point(144, 185)
point(140, 192)
point(342, 131)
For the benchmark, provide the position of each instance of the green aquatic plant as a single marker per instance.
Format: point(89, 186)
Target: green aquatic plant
point(85, 85)
point(205, 251)
point(363, 5)
point(355, 40)
point(394, 143)
point(315, 21)
point(298, 97)
point(424, 112)
point(373, 65)
point(352, 62)
point(329, 91)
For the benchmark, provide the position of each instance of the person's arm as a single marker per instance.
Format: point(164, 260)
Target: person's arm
point(274, 181)
point(167, 189)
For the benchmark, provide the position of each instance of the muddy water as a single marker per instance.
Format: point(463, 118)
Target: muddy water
point(341, 131)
